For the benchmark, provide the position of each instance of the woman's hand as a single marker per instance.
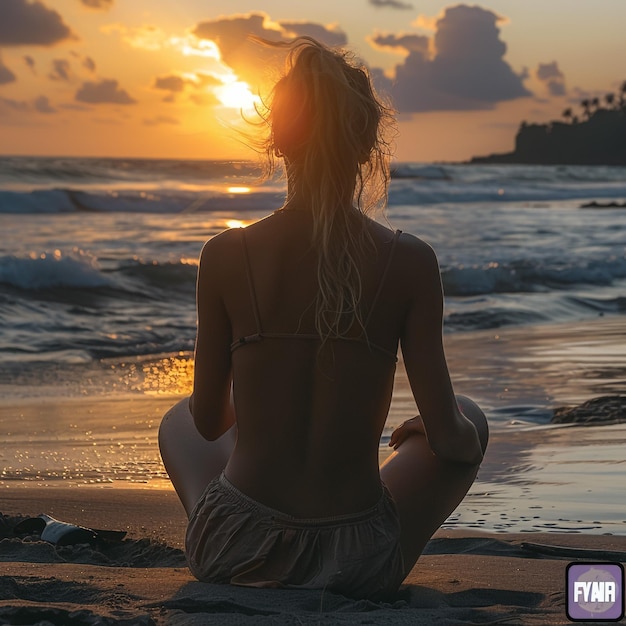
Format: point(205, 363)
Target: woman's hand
point(413, 426)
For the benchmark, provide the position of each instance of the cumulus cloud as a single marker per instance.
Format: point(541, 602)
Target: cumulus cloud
point(552, 77)
point(98, 4)
point(60, 70)
point(249, 60)
point(27, 22)
point(391, 4)
point(461, 68)
point(103, 92)
point(6, 75)
point(42, 105)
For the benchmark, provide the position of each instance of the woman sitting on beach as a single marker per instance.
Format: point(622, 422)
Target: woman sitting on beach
point(275, 455)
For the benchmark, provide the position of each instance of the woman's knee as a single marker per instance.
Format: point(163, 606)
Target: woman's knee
point(173, 420)
point(473, 412)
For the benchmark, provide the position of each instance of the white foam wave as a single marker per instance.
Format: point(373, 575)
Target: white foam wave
point(50, 270)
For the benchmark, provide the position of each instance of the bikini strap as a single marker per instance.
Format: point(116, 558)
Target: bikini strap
point(381, 284)
point(253, 300)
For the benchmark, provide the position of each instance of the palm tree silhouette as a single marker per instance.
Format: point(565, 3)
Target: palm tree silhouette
point(585, 105)
point(567, 114)
point(609, 98)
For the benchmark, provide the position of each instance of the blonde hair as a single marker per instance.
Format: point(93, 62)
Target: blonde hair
point(325, 118)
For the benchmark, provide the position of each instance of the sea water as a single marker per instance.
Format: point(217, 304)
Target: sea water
point(98, 261)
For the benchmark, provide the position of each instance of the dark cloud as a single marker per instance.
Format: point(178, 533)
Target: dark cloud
point(546, 71)
point(246, 58)
point(251, 61)
point(31, 23)
point(98, 4)
point(552, 77)
point(60, 70)
point(42, 105)
point(104, 91)
point(173, 82)
point(90, 64)
point(323, 34)
point(159, 120)
point(30, 62)
point(408, 42)
point(390, 4)
point(14, 105)
point(466, 69)
point(6, 75)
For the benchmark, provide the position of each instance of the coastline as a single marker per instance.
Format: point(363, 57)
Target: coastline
point(546, 495)
point(464, 577)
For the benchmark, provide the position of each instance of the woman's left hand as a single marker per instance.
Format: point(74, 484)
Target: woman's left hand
point(413, 426)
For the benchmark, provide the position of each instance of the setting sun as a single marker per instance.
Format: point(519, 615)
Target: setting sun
point(237, 95)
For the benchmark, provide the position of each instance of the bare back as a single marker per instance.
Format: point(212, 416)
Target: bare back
point(309, 420)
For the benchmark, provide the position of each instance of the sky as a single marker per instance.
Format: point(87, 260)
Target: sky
point(170, 78)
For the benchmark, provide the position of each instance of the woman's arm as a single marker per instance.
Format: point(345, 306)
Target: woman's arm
point(211, 402)
point(450, 434)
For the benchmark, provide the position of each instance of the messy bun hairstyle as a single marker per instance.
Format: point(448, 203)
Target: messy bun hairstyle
point(325, 119)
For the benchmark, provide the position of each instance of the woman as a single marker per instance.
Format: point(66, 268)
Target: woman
point(275, 455)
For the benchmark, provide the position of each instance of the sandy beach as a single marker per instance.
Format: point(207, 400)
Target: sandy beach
point(546, 495)
point(464, 577)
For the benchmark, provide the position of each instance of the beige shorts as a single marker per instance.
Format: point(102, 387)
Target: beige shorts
point(233, 539)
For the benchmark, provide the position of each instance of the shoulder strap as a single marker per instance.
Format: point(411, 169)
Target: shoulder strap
point(253, 300)
point(381, 284)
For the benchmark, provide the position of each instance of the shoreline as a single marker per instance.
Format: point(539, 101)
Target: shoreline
point(536, 477)
point(463, 577)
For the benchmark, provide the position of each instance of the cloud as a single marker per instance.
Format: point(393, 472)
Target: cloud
point(104, 5)
point(253, 62)
point(31, 23)
point(14, 105)
point(42, 105)
point(6, 75)
point(105, 91)
point(173, 82)
point(146, 37)
point(60, 70)
point(401, 43)
point(90, 64)
point(461, 68)
point(328, 35)
point(552, 77)
point(177, 83)
point(546, 71)
point(391, 4)
point(30, 62)
point(159, 120)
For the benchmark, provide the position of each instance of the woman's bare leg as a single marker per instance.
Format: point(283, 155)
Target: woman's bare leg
point(191, 461)
point(426, 490)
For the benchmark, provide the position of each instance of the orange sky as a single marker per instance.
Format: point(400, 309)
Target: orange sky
point(156, 78)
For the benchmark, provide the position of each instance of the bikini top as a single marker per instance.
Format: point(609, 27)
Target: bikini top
point(260, 334)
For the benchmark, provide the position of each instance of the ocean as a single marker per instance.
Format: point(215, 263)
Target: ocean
point(98, 261)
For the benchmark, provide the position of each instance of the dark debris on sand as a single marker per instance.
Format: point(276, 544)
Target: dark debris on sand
point(601, 410)
point(127, 553)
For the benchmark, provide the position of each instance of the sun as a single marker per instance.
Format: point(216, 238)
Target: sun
point(236, 94)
